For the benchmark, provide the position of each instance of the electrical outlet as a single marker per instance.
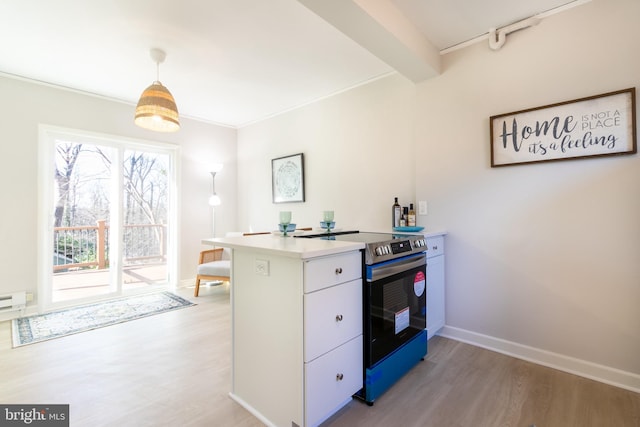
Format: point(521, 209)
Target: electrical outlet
point(262, 267)
point(422, 207)
point(29, 296)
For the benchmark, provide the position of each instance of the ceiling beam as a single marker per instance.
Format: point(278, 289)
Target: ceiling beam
point(381, 28)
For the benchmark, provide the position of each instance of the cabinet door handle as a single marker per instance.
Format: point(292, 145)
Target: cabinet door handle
point(339, 377)
point(339, 270)
point(339, 318)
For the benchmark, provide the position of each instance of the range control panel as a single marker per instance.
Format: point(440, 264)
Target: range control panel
point(383, 251)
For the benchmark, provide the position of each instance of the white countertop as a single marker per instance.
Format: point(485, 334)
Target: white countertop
point(285, 246)
point(296, 247)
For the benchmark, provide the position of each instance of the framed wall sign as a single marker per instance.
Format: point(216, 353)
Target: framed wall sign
point(600, 125)
point(287, 175)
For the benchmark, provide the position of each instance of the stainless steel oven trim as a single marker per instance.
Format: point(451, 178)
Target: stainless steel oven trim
point(395, 267)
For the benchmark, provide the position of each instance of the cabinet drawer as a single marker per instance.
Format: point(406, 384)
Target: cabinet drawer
point(332, 316)
point(332, 379)
point(435, 246)
point(332, 270)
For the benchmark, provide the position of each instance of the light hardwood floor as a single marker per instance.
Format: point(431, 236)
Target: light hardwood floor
point(173, 369)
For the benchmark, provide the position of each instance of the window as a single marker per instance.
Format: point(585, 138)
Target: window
point(108, 216)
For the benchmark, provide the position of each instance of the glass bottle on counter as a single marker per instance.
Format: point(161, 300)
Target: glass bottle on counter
point(403, 219)
point(411, 217)
point(396, 213)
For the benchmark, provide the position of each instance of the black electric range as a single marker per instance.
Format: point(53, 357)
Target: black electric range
point(394, 305)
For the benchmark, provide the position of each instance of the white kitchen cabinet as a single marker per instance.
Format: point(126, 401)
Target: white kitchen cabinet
point(332, 333)
point(323, 272)
point(297, 333)
point(332, 316)
point(331, 380)
point(435, 284)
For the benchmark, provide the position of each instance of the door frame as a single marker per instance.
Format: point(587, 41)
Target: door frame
point(47, 136)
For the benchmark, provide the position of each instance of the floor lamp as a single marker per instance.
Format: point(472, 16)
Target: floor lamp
point(214, 200)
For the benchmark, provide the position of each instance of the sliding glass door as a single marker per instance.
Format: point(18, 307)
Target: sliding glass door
point(108, 216)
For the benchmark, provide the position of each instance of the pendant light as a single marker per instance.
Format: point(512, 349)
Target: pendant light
point(156, 109)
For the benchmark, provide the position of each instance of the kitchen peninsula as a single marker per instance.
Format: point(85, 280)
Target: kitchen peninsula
point(296, 326)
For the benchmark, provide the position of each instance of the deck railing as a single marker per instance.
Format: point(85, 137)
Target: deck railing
point(88, 246)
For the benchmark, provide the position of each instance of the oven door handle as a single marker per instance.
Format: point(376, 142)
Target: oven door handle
point(390, 269)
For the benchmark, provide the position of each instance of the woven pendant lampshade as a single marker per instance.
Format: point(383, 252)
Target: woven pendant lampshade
point(156, 109)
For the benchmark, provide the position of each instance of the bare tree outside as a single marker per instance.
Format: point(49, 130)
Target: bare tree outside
point(66, 157)
point(82, 199)
point(145, 185)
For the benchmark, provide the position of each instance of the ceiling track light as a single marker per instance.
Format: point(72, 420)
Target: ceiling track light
point(497, 38)
point(156, 109)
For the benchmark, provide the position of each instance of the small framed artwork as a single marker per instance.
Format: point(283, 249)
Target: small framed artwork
point(287, 175)
point(600, 125)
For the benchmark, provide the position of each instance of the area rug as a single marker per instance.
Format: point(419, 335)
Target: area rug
point(33, 329)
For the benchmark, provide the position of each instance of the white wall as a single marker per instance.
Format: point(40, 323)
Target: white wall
point(542, 260)
point(543, 255)
point(540, 256)
point(25, 105)
point(358, 156)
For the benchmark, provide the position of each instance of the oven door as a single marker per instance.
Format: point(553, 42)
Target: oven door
point(395, 305)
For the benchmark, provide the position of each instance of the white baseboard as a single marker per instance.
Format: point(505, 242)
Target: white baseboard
point(251, 409)
point(185, 283)
point(583, 368)
point(29, 310)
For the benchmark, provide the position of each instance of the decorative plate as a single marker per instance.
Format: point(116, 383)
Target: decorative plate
point(408, 229)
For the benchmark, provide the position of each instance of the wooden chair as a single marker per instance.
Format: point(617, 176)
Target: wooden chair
point(212, 266)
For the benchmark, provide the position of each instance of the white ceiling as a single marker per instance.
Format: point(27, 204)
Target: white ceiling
point(233, 62)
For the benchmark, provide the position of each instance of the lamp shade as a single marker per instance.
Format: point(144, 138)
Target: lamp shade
point(157, 110)
point(214, 200)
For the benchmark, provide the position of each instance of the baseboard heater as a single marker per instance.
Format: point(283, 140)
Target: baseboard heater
point(14, 301)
